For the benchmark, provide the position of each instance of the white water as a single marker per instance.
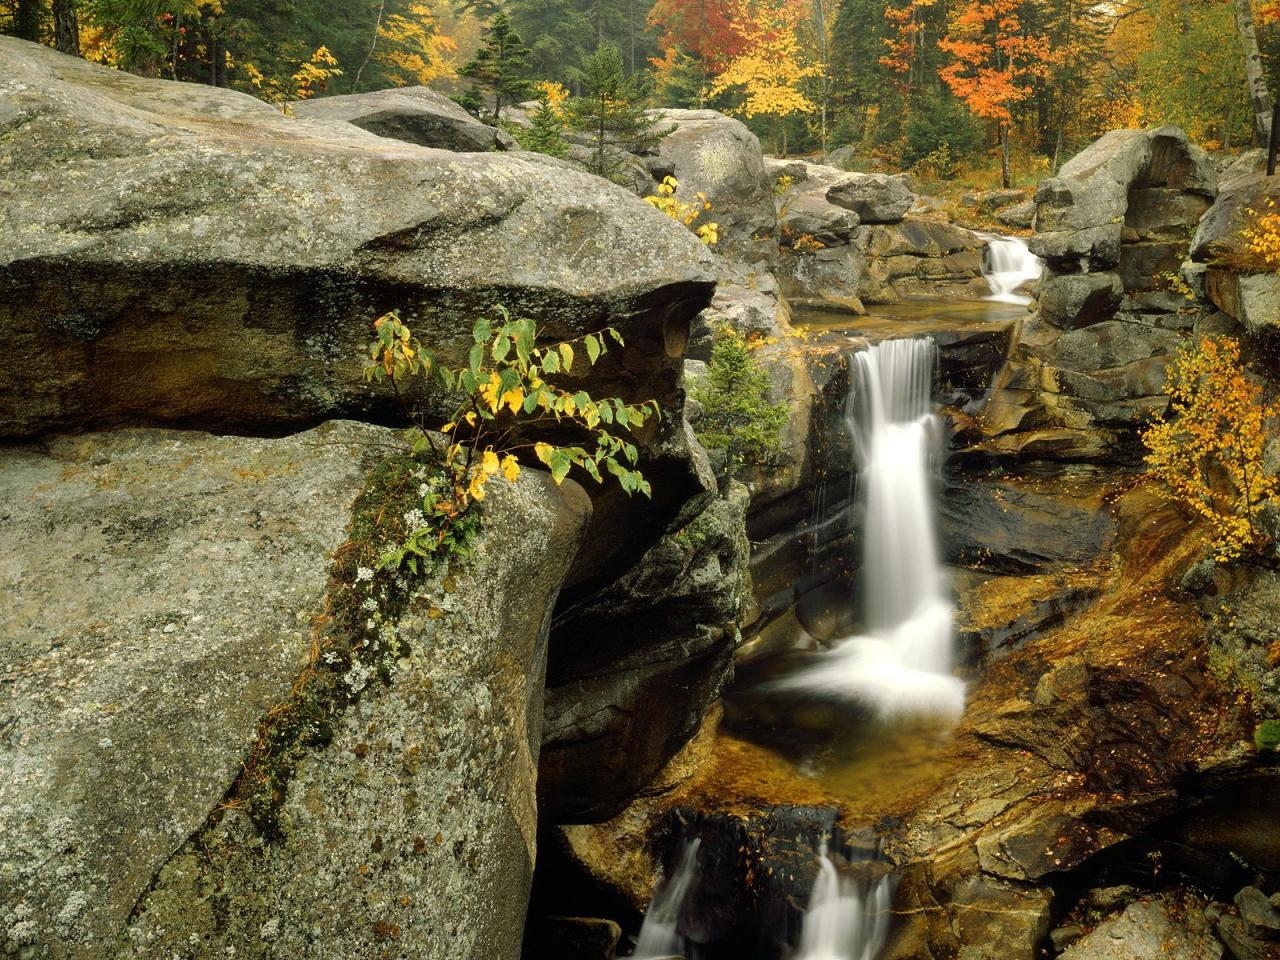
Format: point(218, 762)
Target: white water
point(1007, 266)
point(901, 666)
point(843, 922)
point(658, 935)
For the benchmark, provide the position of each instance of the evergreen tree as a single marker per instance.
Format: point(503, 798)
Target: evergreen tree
point(611, 111)
point(501, 64)
point(545, 133)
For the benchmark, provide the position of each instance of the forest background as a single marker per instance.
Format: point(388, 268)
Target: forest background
point(954, 89)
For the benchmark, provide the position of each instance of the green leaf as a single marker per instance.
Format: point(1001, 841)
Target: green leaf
point(560, 464)
point(566, 354)
point(477, 357)
point(501, 347)
point(616, 336)
point(551, 362)
point(593, 348)
point(481, 332)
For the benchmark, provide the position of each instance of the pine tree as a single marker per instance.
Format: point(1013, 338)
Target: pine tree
point(611, 111)
point(545, 133)
point(501, 64)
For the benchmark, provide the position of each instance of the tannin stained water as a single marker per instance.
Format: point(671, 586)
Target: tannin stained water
point(901, 666)
point(1007, 266)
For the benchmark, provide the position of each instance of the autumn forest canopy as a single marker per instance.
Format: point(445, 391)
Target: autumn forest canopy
point(947, 87)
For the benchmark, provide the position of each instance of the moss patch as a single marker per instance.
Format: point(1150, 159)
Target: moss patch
point(355, 640)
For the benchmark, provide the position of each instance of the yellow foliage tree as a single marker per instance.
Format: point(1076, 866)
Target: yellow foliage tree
point(414, 49)
point(1262, 236)
point(769, 69)
point(1208, 452)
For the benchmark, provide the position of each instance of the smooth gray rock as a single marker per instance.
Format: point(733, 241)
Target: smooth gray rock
point(1080, 299)
point(1020, 216)
point(1256, 910)
point(412, 114)
point(193, 258)
point(1218, 237)
point(718, 156)
point(874, 197)
point(1092, 188)
point(807, 215)
point(842, 158)
point(1093, 248)
point(1146, 930)
point(158, 588)
point(161, 589)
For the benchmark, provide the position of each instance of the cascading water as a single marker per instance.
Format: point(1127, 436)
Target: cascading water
point(659, 937)
point(844, 921)
point(901, 665)
point(1007, 266)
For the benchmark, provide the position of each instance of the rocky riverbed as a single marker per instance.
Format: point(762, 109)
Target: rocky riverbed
point(188, 278)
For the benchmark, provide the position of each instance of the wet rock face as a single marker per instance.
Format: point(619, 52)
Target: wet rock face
point(196, 259)
point(412, 114)
point(634, 668)
point(161, 594)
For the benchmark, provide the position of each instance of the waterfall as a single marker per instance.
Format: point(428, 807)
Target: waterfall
point(844, 921)
point(658, 935)
point(1007, 266)
point(901, 665)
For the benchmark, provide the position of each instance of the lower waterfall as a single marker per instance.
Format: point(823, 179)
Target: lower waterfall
point(844, 921)
point(659, 937)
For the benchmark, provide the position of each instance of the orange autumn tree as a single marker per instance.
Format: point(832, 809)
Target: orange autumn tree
point(907, 25)
point(994, 59)
point(703, 29)
point(770, 67)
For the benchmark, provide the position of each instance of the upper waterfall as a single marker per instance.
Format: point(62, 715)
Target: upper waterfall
point(901, 665)
point(1007, 266)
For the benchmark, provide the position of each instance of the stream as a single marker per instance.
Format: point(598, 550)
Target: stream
point(883, 695)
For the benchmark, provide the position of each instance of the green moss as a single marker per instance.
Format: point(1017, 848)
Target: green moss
point(1267, 736)
point(356, 642)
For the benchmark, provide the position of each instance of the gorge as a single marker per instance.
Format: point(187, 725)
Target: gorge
point(945, 674)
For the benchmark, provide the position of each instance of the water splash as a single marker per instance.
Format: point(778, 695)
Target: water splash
point(659, 936)
point(845, 920)
point(901, 665)
point(1007, 266)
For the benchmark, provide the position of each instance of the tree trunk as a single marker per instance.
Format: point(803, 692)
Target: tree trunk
point(66, 27)
point(373, 45)
point(1005, 177)
point(26, 20)
point(1259, 95)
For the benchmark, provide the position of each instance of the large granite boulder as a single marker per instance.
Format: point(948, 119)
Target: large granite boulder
point(164, 591)
point(874, 197)
point(1093, 187)
point(176, 254)
point(718, 156)
point(412, 114)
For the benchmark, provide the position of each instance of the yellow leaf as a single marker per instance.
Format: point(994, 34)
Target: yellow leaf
point(510, 468)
